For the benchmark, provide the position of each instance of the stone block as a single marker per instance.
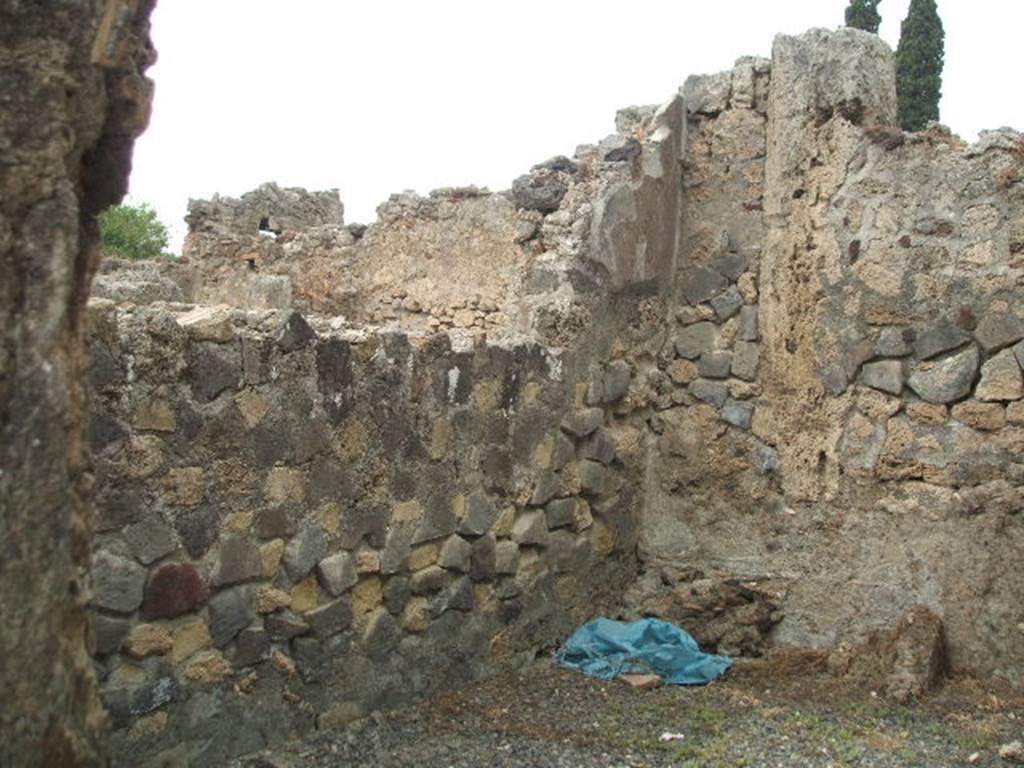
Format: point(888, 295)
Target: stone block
point(311, 659)
point(531, 528)
point(592, 476)
point(560, 513)
point(884, 375)
point(715, 365)
point(745, 358)
point(731, 265)
point(457, 596)
point(294, 333)
point(694, 340)
point(231, 610)
point(251, 647)
point(172, 590)
point(238, 559)
point(284, 625)
point(984, 416)
point(118, 582)
point(581, 423)
point(148, 640)
point(748, 330)
point(337, 573)
point(738, 414)
point(714, 393)
point(428, 580)
point(396, 594)
point(506, 557)
point(702, 284)
point(481, 512)
point(274, 523)
point(727, 303)
point(942, 338)
point(110, 632)
point(545, 487)
point(150, 538)
point(998, 329)
point(330, 619)
point(482, 560)
point(894, 342)
point(947, 379)
point(1001, 378)
point(397, 545)
point(600, 446)
point(455, 554)
point(304, 551)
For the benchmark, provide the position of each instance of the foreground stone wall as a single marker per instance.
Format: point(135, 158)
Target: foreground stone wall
point(299, 526)
point(73, 99)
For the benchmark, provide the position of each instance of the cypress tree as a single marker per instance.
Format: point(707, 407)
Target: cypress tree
point(919, 61)
point(863, 14)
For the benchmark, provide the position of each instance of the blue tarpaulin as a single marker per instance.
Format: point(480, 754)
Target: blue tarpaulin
point(606, 649)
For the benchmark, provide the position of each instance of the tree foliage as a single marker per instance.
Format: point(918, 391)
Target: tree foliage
point(133, 231)
point(919, 61)
point(863, 14)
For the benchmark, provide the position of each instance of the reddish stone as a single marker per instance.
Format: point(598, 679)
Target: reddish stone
point(172, 590)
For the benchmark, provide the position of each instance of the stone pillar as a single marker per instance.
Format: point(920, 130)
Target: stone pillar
point(72, 100)
point(826, 86)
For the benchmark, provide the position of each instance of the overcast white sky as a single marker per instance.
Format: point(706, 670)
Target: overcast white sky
point(381, 96)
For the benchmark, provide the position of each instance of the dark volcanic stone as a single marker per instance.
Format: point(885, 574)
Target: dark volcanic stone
point(172, 590)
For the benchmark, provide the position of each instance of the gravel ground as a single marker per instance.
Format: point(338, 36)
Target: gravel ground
point(756, 718)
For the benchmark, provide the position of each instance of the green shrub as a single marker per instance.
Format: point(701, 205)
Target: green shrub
point(133, 231)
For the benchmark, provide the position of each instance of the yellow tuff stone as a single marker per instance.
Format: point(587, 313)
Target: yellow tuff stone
point(424, 556)
point(189, 639)
point(270, 599)
point(148, 640)
point(303, 597)
point(207, 667)
point(367, 595)
point(270, 556)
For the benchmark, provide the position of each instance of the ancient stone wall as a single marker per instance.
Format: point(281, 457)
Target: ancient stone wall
point(847, 444)
point(299, 526)
point(758, 349)
point(72, 99)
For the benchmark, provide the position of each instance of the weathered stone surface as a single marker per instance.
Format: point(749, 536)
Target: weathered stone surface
point(581, 423)
point(481, 512)
point(738, 414)
point(945, 380)
point(531, 528)
point(694, 340)
point(727, 303)
point(893, 342)
point(935, 341)
point(304, 551)
point(337, 573)
point(998, 329)
point(455, 554)
point(148, 640)
point(294, 333)
point(545, 487)
point(600, 446)
point(748, 330)
point(919, 654)
point(283, 626)
point(715, 365)
point(540, 191)
point(745, 358)
point(714, 393)
point(703, 284)
point(885, 375)
point(987, 416)
point(231, 610)
point(110, 633)
point(251, 647)
point(457, 596)
point(610, 383)
point(238, 559)
point(1001, 378)
point(150, 539)
point(483, 558)
point(560, 513)
point(119, 582)
point(428, 580)
point(506, 557)
point(172, 590)
point(592, 476)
